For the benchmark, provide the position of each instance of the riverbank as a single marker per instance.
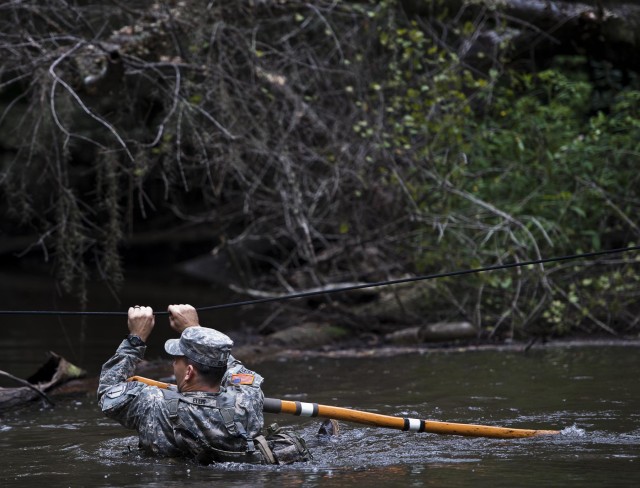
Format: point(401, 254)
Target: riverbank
point(257, 353)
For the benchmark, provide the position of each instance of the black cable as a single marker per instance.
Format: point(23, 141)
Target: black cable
point(346, 288)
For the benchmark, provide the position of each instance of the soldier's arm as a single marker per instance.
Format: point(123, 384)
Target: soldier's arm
point(120, 366)
point(140, 321)
point(118, 398)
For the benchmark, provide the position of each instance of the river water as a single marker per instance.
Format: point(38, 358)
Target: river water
point(589, 393)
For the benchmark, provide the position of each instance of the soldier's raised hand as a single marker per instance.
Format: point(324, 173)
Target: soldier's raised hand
point(141, 321)
point(182, 316)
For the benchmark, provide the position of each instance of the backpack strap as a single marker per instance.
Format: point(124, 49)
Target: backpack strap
point(173, 399)
point(235, 428)
point(228, 415)
point(263, 447)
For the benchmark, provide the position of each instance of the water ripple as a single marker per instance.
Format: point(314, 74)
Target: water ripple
point(573, 431)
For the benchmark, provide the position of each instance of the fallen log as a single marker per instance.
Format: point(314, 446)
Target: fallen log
point(54, 372)
point(437, 332)
point(28, 385)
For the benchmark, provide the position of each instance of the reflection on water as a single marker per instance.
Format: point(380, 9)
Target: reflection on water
point(589, 393)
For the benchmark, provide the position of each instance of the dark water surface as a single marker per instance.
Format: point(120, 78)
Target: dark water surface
point(590, 393)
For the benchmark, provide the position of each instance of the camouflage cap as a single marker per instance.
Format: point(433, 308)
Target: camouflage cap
point(203, 345)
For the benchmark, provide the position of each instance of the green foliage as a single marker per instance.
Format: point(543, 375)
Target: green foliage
point(594, 302)
point(503, 167)
point(567, 175)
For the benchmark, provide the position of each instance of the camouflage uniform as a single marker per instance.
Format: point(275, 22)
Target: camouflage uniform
point(198, 425)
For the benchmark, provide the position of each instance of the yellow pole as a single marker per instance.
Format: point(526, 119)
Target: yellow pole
point(150, 382)
point(305, 409)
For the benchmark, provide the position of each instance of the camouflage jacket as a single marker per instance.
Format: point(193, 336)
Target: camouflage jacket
point(172, 424)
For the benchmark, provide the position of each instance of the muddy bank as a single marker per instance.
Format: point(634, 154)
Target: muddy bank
point(254, 354)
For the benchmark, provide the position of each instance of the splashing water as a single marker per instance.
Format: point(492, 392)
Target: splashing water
point(573, 431)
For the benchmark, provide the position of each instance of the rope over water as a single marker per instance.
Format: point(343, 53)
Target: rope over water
point(344, 289)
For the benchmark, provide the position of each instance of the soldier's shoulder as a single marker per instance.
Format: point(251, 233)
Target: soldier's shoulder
point(239, 375)
point(127, 391)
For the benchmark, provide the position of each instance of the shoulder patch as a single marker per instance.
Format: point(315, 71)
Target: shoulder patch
point(117, 390)
point(242, 379)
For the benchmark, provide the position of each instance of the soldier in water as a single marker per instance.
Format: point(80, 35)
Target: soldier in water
point(214, 414)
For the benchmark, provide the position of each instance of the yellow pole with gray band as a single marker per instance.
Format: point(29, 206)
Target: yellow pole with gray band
point(305, 409)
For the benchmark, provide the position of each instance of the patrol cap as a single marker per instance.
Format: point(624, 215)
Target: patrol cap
point(203, 345)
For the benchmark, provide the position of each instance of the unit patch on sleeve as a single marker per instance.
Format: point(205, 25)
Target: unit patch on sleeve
point(117, 390)
point(242, 379)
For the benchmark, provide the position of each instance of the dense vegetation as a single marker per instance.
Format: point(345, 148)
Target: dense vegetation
point(320, 143)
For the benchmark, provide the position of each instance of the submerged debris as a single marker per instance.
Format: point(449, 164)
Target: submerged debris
point(54, 372)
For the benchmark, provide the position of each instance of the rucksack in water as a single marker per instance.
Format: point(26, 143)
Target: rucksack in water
point(282, 446)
